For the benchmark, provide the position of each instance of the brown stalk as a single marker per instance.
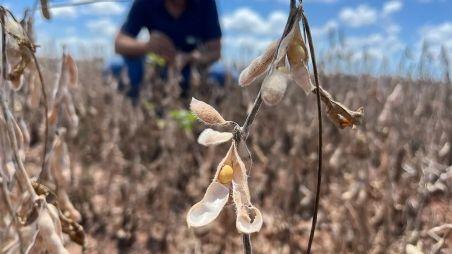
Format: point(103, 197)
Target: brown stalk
point(46, 120)
point(80, 3)
point(320, 138)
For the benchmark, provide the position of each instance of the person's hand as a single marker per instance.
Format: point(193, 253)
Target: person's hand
point(161, 45)
point(181, 60)
point(196, 56)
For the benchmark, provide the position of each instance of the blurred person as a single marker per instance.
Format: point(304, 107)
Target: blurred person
point(182, 32)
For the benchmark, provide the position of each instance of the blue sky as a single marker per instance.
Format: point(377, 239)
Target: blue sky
point(384, 28)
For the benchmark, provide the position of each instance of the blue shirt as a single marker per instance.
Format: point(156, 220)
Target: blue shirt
point(197, 24)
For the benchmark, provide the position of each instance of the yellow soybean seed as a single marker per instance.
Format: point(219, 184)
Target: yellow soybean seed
point(225, 175)
point(296, 54)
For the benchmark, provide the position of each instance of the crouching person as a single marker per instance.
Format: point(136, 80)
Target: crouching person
point(182, 32)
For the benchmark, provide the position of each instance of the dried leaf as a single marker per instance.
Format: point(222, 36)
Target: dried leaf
point(211, 137)
point(340, 115)
point(274, 87)
point(258, 66)
point(68, 224)
point(206, 113)
point(43, 190)
point(72, 229)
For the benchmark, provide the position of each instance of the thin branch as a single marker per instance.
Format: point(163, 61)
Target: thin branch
point(247, 247)
point(251, 116)
point(87, 2)
point(293, 4)
point(320, 138)
point(46, 120)
point(3, 13)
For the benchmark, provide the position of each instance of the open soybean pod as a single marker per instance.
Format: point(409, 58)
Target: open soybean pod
point(274, 86)
point(45, 9)
point(14, 28)
point(297, 56)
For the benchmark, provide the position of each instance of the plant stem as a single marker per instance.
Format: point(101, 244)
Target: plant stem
point(247, 244)
point(320, 138)
point(62, 5)
point(245, 129)
point(251, 116)
point(46, 119)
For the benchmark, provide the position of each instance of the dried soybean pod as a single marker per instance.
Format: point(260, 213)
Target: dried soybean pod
point(274, 87)
point(258, 66)
point(206, 113)
point(72, 70)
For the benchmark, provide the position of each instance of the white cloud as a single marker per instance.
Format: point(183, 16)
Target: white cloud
point(287, 2)
point(376, 45)
point(323, 30)
point(105, 8)
point(250, 33)
point(438, 35)
point(392, 7)
point(322, 1)
point(247, 41)
point(392, 29)
point(245, 20)
point(65, 12)
point(356, 17)
point(365, 41)
point(103, 26)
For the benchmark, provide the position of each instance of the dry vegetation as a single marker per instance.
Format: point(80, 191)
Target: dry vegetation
point(132, 173)
point(386, 184)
